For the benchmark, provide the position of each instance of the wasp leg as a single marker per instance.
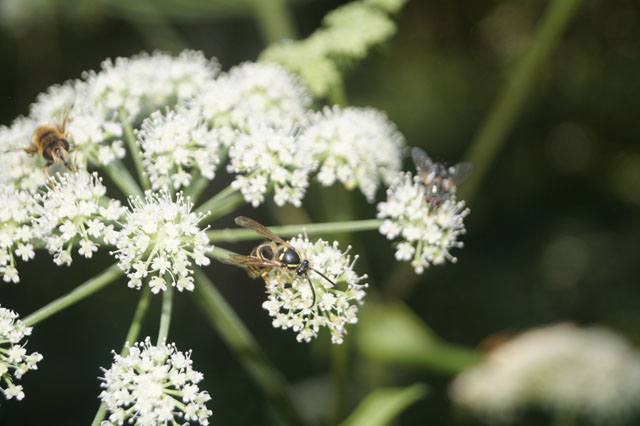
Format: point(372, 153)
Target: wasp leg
point(284, 290)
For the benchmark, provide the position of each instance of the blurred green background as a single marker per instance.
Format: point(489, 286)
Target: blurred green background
point(554, 229)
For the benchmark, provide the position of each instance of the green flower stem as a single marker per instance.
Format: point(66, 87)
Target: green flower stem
point(198, 185)
point(83, 290)
point(130, 138)
point(240, 340)
point(337, 94)
point(274, 20)
point(132, 336)
point(165, 318)
point(233, 235)
point(503, 115)
point(119, 174)
point(339, 377)
point(220, 204)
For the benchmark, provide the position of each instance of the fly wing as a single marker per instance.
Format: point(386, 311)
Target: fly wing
point(259, 228)
point(460, 172)
point(423, 162)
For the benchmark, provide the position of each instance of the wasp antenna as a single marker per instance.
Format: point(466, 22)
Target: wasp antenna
point(323, 276)
point(313, 292)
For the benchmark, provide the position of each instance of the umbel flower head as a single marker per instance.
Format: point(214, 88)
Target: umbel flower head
point(158, 241)
point(144, 83)
point(427, 231)
point(253, 93)
point(17, 231)
point(267, 156)
point(563, 369)
point(154, 385)
point(14, 360)
point(75, 211)
point(359, 147)
point(176, 142)
point(290, 297)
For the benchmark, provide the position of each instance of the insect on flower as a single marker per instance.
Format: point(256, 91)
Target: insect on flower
point(438, 178)
point(50, 142)
point(276, 253)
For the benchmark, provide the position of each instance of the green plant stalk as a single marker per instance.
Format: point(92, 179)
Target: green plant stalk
point(165, 317)
point(83, 290)
point(220, 204)
point(132, 336)
point(198, 185)
point(274, 20)
point(339, 375)
point(119, 174)
point(130, 138)
point(250, 354)
point(233, 235)
point(504, 113)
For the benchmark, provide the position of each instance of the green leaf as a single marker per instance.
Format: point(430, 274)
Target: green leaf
point(383, 405)
point(393, 333)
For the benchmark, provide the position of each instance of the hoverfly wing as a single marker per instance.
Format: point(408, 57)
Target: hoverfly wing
point(423, 162)
point(249, 223)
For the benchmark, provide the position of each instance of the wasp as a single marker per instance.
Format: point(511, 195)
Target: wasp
point(275, 253)
point(438, 178)
point(50, 142)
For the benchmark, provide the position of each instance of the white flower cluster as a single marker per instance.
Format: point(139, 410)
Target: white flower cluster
point(359, 147)
point(154, 385)
point(144, 83)
point(267, 157)
point(17, 231)
point(253, 93)
point(14, 360)
point(428, 231)
point(161, 237)
point(19, 168)
point(175, 142)
point(564, 369)
point(290, 297)
point(75, 210)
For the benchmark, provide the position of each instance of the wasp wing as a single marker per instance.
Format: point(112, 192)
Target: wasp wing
point(248, 223)
point(240, 260)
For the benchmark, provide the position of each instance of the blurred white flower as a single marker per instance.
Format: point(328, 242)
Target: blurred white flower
point(74, 211)
point(175, 142)
point(290, 297)
point(254, 93)
point(17, 230)
point(359, 147)
point(563, 369)
point(14, 360)
point(144, 83)
point(267, 157)
point(160, 238)
point(427, 231)
point(154, 385)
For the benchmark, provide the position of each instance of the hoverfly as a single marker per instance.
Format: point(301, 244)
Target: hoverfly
point(51, 144)
point(438, 179)
point(276, 253)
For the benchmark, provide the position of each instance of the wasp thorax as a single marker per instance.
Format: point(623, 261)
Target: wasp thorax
point(289, 258)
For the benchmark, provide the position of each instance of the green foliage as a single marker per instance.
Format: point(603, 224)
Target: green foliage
point(393, 333)
point(348, 33)
point(382, 405)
